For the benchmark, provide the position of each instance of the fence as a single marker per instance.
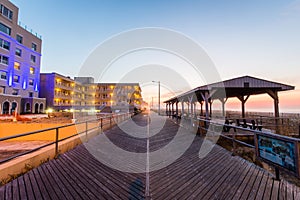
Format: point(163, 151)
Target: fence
point(279, 151)
point(55, 136)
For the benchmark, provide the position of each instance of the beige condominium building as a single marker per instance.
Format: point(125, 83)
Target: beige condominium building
point(63, 93)
point(20, 56)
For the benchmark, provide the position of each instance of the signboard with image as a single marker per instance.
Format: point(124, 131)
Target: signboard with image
point(278, 150)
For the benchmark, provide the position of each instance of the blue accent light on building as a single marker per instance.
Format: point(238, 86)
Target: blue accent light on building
point(24, 84)
point(10, 79)
point(36, 87)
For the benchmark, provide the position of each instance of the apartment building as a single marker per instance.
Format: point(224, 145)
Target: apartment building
point(62, 92)
point(20, 56)
point(116, 95)
point(81, 93)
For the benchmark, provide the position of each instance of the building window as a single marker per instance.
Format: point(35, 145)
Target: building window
point(4, 60)
point(2, 89)
point(18, 52)
point(15, 92)
point(3, 75)
point(33, 58)
point(16, 78)
point(5, 29)
point(32, 70)
point(30, 94)
point(6, 12)
point(33, 47)
point(17, 66)
point(19, 39)
point(4, 44)
point(30, 82)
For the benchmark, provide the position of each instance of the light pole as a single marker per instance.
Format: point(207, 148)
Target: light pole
point(158, 95)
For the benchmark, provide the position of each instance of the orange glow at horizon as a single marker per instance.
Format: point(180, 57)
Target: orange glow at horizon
point(288, 102)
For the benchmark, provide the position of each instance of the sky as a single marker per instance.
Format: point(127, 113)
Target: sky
point(257, 38)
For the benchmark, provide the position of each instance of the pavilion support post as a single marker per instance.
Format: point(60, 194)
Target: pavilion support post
point(210, 107)
point(188, 109)
point(201, 108)
point(223, 101)
point(172, 112)
point(274, 95)
point(192, 109)
point(167, 113)
point(243, 100)
point(192, 105)
point(195, 109)
point(177, 110)
point(182, 108)
point(206, 106)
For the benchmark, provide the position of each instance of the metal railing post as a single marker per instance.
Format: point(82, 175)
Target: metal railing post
point(233, 142)
point(86, 130)
point(56, 141)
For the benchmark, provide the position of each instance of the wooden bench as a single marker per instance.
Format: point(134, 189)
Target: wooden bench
point(251, 124)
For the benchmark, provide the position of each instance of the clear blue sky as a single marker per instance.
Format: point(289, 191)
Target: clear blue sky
point(255, 37)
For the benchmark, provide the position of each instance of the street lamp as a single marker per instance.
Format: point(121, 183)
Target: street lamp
point(158, 95)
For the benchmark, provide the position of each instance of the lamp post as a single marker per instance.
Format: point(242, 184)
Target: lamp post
point(158, 95)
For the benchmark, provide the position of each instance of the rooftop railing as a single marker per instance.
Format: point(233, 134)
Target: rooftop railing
point(24, 26)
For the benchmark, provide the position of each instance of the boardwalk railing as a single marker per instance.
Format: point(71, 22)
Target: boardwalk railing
point(280, 151)
point(100, 123)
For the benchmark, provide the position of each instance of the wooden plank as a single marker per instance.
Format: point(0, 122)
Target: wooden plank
point(275, 190)
point(9, 191)
point(228, 183)
point(79, 179)
point(2, 192)
point(80, 194)
point(165, 185)
point(40, 184)
point(174, 187)
point(268, 189)
point(15, 192)
point(289, 192)
point(243, 185)
point(215, 183)
point(57, 181)
point(65, 180)
point(91, 170)
point(252, 185)
point(35, 186)
point(204, 180)
point(51, 188)
point(22, 188)
point(182, 168)
point(296, 192)
point(260, 193)
point(221, 183)
point(236, 182)
point(29, 190)
point(282, 190)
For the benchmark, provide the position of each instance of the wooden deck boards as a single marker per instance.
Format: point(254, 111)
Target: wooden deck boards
point(78, 175)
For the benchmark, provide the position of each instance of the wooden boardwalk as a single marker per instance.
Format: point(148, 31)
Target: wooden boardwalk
point(78, 175)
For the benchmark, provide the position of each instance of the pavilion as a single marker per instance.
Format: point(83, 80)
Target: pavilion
point(241, 88)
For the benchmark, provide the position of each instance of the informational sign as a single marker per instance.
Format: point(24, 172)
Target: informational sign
point(277, 151)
